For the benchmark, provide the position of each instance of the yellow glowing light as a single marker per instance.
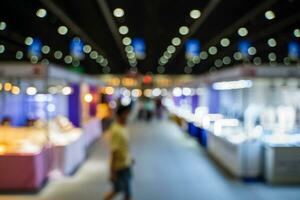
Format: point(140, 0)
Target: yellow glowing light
point(148, 93)
point(137, 93)
point(1, 86)
point(109, 90)
point(2, 149)
point(15, 90)
point(7, 87)
point(88, 98)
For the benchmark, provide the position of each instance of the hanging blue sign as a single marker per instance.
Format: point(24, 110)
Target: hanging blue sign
point(76, 48)
point(293, 50)
point(35, 48)
point(243, 47)
point(139, 47)
point(192, 48)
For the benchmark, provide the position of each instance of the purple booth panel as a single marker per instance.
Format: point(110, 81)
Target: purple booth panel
point(75, 105)
point(214, 100)
point(195, 102)
point(93, 104)
point(24, 172)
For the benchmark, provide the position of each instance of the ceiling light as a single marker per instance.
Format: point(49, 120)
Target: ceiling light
point(123, 30)
point(58, 54)
point(106, 70)
point(297, 32)
point(45, 61)
point(171, 49)
point(287, 61)
point(257, 61)
point(104, 63)
point(2, 48)
point(225, 42)
point(272, 56)
point(2, 26)
point(213, 50)
point(34, 59)
point(118, 12)
point(218, 63)
point(195, 14)
point(167, 55)
point(19, 55)
point(237, 55)
point(226, 60)
point(127, 41)
point(99, 59)
point(190, 63)
point(161, 69)
point(196, 59)
point(252, 51)
point(243, 32)
point(176, 41)
point(28, 41)
point(45, 49)
point(41, 13)
point(93, 55)
point(272, 42)
point(87, 48)
point(62, 30)
point(68, 59)
point(131, 55)
point(184, 30)
point(188, 70)
point(129, 49)
point(203, 55)
point(163, 60)
point(270, 15)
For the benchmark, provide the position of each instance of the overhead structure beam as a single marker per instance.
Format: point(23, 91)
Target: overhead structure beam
point(242, 21)
point(76, 29)
point(197, 24)
point(112, 26)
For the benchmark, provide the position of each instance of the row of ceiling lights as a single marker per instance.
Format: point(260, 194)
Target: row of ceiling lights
point(225, 42)
point(176, 41)
point(68, 59)
point(127, 41)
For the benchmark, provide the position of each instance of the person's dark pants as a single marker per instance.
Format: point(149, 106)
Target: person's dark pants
point(122, 182)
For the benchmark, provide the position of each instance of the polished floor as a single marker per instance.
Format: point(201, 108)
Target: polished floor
point(170, 166)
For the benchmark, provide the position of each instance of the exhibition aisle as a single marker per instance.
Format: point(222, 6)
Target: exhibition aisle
point(169, 166)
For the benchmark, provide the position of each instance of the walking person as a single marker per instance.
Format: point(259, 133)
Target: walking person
point(121, 160)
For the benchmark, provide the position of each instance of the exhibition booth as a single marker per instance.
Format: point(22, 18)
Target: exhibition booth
point(48, 121)
point(249, 118)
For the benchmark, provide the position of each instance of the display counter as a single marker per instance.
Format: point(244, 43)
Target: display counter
point(24, 171)
point(282, 158)
point(241, 157)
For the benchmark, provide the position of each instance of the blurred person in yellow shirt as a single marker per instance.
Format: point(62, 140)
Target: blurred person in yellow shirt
point(121, 160)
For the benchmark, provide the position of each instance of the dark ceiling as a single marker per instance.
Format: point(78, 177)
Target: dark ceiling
point(157, 22)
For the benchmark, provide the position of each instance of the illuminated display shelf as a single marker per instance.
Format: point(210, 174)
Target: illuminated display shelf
point(242, 93)
point(48, 148)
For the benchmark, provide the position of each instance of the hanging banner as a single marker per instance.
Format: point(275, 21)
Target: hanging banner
point(243, 47)
point(293, 50)
point(35, 48)
point(76, 49)
point(139, 47)
point(192, 48)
